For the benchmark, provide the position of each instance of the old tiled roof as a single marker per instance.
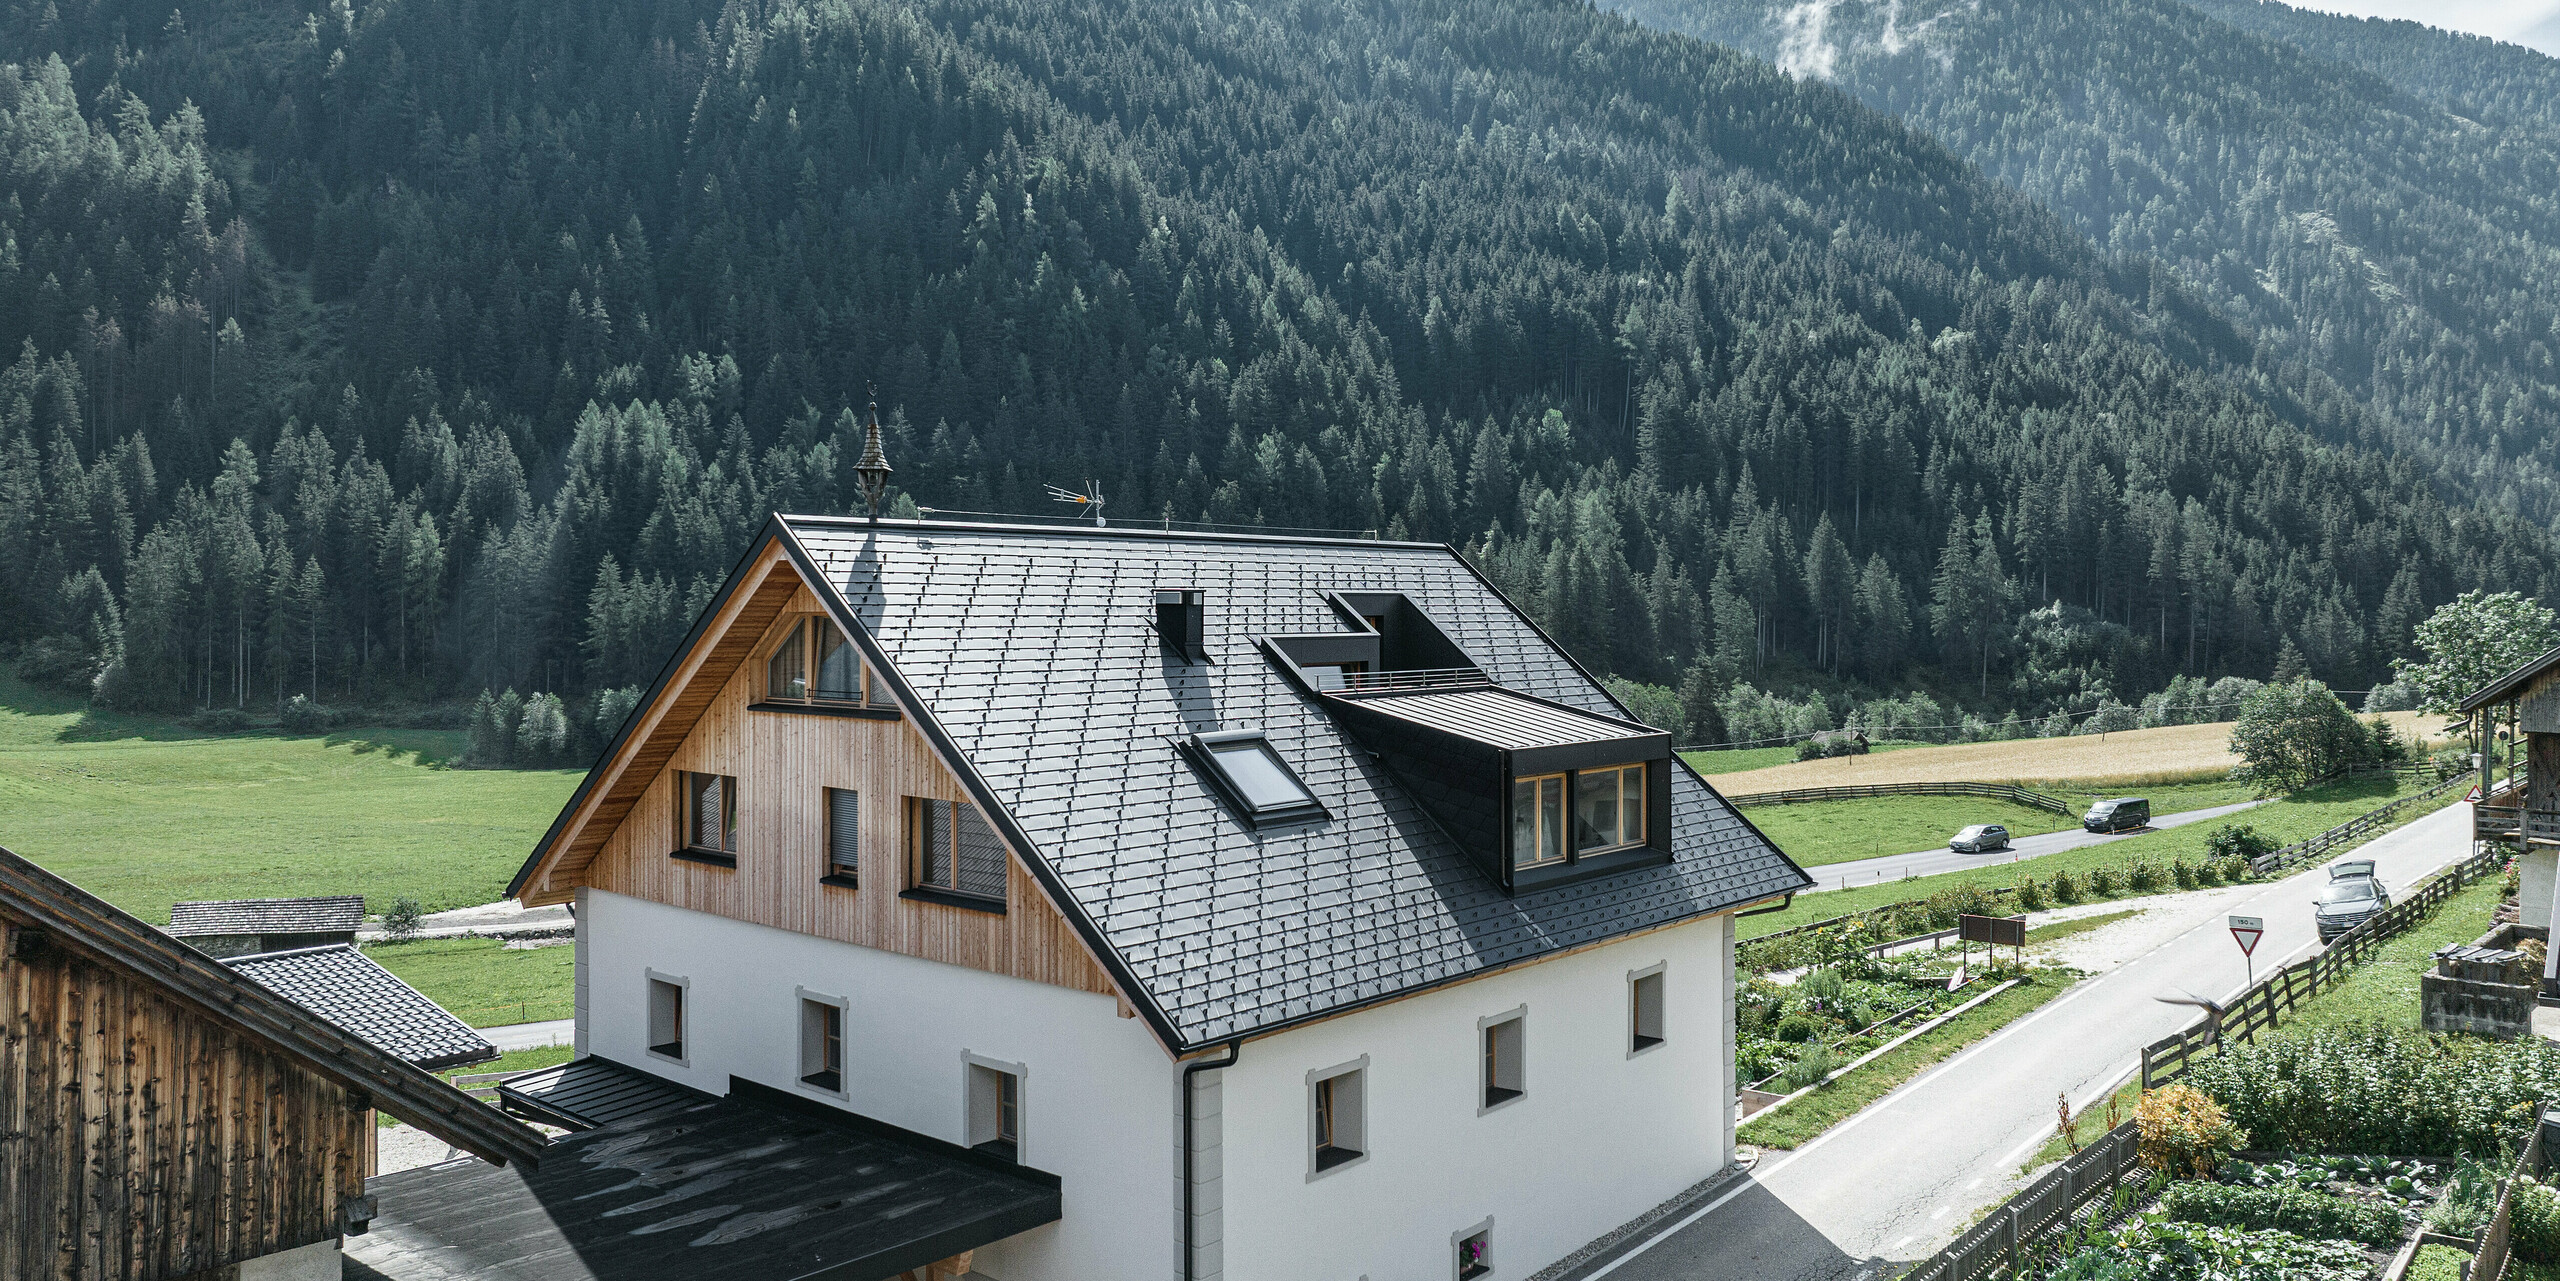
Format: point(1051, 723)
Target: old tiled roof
point(87, 925)
point(334, 914)
point(1034, 650)
point(344, 986)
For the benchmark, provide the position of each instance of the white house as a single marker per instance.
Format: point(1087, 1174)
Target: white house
point(1296, 903)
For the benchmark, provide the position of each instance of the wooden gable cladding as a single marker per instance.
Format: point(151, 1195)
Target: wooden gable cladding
point(142, 1139)
point(783, 762)
point(718, 653)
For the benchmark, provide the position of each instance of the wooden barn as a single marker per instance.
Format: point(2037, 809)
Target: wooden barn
point(165, 1116)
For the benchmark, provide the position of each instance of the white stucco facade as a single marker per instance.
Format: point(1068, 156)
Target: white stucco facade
point(1099, 1096)
point(1599, 1136)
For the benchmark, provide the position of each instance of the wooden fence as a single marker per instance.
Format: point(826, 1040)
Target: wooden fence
point(2351, 831)
point(2013, 1233)
point(2490, 1262)
point(2266, 1004)
point(1868, 791)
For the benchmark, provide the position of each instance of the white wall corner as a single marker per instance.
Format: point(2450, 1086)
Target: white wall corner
point(318, 1261)
point(579, 970)
point(1728, 1089)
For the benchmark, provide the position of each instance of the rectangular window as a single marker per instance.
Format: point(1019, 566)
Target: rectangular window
point(1644, 1011)
point(839, 665)
point(844, 835)
point(1475, 1254)
point(786, 674)
point(821, 1044)
point(1339, 1134)
point(710, 818)
point(1537, 821)
point(995, 1111)
point(1503, 1080)
point(1608, 808)
point(815, 662)
point(666, 1018)
point(952, 849)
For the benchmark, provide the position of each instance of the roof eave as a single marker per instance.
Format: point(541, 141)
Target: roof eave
point(2513, 681)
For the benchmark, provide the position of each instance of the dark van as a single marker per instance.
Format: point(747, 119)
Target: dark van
point(2122, 814)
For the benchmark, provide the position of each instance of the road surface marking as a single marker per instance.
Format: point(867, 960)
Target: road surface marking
point(1897, 1246)
point(1940, 1213)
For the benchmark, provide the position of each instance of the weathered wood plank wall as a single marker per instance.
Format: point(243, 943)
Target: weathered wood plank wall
point(783, 761)
point(140, 1140)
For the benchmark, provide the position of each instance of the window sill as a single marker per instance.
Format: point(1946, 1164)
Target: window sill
point(1000, 1149)
point(924, 894)
point(858, 711)
point(710, 858)
point(841, 880)
point(825, 1082)
point(1645, 1044)
point(1330, 1159)
point(1497, 1097)
point(672, 1052)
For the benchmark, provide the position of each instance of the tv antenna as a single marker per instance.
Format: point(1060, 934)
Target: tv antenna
point(1086, 505)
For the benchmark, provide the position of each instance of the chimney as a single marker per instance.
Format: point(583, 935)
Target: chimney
point(1182, 620)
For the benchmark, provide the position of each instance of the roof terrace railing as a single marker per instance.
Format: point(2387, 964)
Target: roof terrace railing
point(1417, 678)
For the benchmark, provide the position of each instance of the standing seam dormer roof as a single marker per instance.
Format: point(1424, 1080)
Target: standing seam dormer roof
point(1033, 650)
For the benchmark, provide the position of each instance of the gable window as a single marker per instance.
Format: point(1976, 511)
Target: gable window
point(814, 662)
point(821, 1043)
point(951, 850)
point(1644, 1010)
point(666, 1017)
point(844, 837)
point(1608, 808)
point(995, 1108)
point(1502, 1076)
point(1249, 773)
point(1338, 1130)
point(708, 814)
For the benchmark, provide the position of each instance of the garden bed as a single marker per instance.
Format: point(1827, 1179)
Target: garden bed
point(1789, 1036)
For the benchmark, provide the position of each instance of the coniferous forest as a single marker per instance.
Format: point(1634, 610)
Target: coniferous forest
point(385, 353)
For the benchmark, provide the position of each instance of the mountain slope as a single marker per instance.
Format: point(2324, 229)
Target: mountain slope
point(2409, 254)
point(524, 314)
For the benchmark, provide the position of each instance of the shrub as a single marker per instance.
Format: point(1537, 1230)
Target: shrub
point(2296, 1210)
point(2065, 889)
point(2470, 1198)
point(1822, 989)
point(400, 920)
point(2294, 734)
point(302, 716)
point(2238, 840)
point(2450, 762)
point(2436, 1263)
point(2534, 1221)
point(2183, 874)
point(2209, 875)
point(2030, 895)
point(2380, 1089)
point(1810, 750)
point(1798, 1026)
point(2103, 883)
point(2184, 1131)
point(221, 720)
point(1809, 1068)
point(2143, 877)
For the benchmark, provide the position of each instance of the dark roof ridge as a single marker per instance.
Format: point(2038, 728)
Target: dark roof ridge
point(1103, 531)
point(89, 925)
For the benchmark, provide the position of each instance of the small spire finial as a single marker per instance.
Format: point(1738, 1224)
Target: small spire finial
point(874, 468)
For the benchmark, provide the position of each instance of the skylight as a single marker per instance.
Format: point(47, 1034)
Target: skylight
point(1253, 778)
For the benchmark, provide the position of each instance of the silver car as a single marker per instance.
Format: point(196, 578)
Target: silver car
point(1981, 838)
point(2351, 897)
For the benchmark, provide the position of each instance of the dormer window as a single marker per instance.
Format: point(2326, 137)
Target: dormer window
point(1249, 773)
point(814, 663)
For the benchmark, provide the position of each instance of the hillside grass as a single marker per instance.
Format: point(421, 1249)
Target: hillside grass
point(1839, 831)
point(2288, 819)
point(484, 982)
point(145, 813)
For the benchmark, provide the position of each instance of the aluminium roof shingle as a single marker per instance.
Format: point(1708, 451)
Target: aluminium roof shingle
point(1501, 717)
point(346, 987)
point(331, 914)
point(1035, 650)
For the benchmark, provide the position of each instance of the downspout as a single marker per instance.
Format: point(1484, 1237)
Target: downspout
point(1235, 1050)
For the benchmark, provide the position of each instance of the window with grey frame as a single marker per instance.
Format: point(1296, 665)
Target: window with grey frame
point(844, 837)
point(1341, 1126)
point(1644, 1011)
point(815, 662)
point(707, 819)
point(1557, 818)
point(1503, 1078)
point(821, 1044)
point(953, 850)
point(666, 1018)
point(995, 1111)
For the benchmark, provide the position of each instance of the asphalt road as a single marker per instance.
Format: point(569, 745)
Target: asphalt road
point(1893, 867)
point(1897, 1181)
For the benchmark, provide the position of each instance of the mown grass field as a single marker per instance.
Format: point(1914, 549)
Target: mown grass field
point(2135, 757)
point(1838, 831)
point(484, 982)
point(1744, 759)
point(2285, 820)
point(146, 813)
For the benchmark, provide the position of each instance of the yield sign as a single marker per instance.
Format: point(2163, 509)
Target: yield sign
point(2246, 929)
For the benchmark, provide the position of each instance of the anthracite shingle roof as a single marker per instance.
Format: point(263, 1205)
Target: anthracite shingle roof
point(333, 914)
point(1499, 717)
point(346, 987)
point(1035, 650)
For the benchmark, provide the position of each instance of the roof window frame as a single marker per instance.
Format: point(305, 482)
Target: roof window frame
point(1201, 750)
